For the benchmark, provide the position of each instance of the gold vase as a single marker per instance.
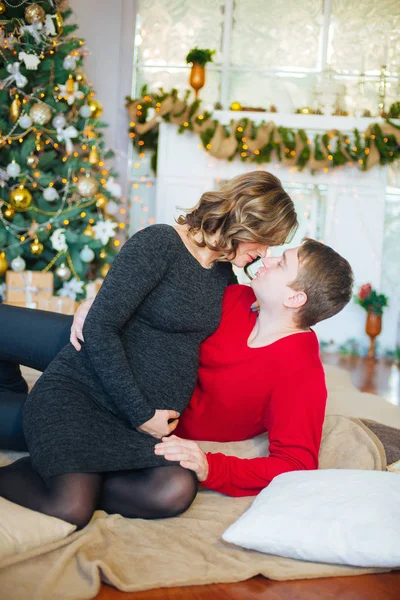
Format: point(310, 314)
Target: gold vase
point(373, 327)
point(197, 78)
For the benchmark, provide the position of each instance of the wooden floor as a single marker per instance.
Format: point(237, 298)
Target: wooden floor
point(377, 377)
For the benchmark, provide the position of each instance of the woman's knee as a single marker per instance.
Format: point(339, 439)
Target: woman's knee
point(177, 492)
point(74, 512)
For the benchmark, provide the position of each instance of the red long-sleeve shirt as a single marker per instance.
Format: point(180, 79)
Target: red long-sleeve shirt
point(242, 392)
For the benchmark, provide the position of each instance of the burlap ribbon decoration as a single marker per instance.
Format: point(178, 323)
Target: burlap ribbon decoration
point(225, 146)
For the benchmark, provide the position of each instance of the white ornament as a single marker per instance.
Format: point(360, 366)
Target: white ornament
point(50, 194)
point(58, 240)
point(25, 121)
point(18, 264)
point(112, 208)
point(59, 121)
point(71, 288)
point(85, 111)
point(31, 60)
point(65, 135)
point(71, 97)
point(114, 188)
point(69, 62)
point(49, 26)
point(63, 272)
point(104, 230)
point(20, 80)
point(35, 30)
point(13, 169)
point(87, 254)
point(2, 291)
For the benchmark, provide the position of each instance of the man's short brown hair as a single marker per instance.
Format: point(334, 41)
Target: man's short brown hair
point(326, 278)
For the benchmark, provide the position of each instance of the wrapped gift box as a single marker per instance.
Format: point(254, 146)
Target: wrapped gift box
point(58, 304)
point(27, 287)
point(92, 288)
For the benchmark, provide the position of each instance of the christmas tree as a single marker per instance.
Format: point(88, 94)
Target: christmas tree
point(58, 201)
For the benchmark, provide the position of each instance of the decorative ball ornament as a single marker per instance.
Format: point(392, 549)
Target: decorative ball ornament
point(2, 8)
point(25, 121)
point(9, 213)
point(37, 247)
point(104, 269)
point(15, 109)
point(86, 254)
point(35, 14)
point(80, 77)
point(85, 111)
point(93, 156)
point(89, 231)
point(39, 143)
point(40, 113)
point(59, 121)
point(3, 263)
point(50, 194)
point(13, 169)
point(32, 160)
point(18, 264)
point(63, 272)
point(103, 254)
point(69, 62)
point(101, 201)
point(20, 198)
point(96, 108)
point(59, 22)
point(87, 186)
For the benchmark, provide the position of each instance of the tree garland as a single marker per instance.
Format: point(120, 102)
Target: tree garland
point(260, 142)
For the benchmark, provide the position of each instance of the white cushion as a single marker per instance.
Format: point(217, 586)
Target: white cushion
point(22, 529)
point(337, 516)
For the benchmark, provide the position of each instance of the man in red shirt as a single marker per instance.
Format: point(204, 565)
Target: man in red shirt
point(263, 372)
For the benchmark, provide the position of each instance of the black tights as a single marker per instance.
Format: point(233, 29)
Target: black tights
point(33, 338)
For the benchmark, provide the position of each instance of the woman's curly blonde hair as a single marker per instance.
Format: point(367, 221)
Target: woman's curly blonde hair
point(252, 207)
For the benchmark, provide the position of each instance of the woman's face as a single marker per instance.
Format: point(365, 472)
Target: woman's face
point(248, 252)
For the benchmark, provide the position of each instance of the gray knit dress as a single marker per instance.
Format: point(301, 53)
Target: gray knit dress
point(142, 338)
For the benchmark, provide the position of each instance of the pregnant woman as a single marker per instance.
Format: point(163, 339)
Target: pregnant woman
point(102, 410)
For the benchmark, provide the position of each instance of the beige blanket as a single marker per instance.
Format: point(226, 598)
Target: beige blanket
point(134, 554)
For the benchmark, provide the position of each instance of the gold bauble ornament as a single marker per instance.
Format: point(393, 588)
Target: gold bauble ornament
point(80, 77)
point(70, 85)
point(40, 113)
point(37, 247)
point(89, 231)
point(20, 198)
point(87, 186)
point(35, 14)
point(9, 213)
point(39, 144)
point(15, 109)
point(93, 156)
point(2, 8)
point(96, 108)
point(32, 160)
point(3, 263)
point(104, 269)
point(59, 23)
point(236, 106)
point(103, 254)
point(101, 201)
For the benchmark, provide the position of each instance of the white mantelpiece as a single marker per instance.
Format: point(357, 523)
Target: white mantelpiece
point(185, 171)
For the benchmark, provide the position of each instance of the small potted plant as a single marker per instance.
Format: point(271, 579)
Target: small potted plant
point(374, 304)
point(198, 58)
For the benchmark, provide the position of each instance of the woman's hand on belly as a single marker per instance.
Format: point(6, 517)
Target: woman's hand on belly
point(77, 325)
point(158, 426)
point(186, 452)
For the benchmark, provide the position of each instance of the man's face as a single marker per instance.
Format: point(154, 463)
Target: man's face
point(272, 280)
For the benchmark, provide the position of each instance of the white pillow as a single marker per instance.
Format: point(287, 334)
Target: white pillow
point(22, 529)
point(338, 516)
